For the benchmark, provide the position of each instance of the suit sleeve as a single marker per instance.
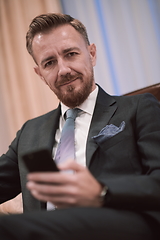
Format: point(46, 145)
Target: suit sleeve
point(140, 191)
point(9, 172)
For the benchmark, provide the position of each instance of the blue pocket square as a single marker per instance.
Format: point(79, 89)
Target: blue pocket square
point(109, 131)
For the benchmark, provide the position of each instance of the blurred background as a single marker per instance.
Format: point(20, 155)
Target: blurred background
point(127, 36)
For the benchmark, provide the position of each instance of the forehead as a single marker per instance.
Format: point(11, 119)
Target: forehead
point(60, 35)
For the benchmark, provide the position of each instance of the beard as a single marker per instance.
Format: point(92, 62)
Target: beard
point(72, 97)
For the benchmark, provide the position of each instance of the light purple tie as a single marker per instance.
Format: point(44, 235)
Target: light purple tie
point(66, 146)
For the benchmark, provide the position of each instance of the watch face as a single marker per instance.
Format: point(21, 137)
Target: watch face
point(104, 191)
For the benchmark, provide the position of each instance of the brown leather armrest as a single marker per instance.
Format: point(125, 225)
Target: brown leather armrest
point(13, 206)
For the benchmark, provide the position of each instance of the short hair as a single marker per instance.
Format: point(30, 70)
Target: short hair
point(45, 22)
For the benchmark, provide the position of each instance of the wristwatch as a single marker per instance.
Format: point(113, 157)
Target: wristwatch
point(103, 194)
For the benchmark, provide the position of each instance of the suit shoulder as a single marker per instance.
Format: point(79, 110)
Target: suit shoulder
point(136, 98)
point(43, 118)
point(45, 115)
point(143, 101)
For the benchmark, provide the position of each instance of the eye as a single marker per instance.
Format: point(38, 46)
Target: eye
point(49, 63)
point(72, 54)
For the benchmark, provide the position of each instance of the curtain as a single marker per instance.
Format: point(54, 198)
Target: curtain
point(22, 94)
point(127, 35)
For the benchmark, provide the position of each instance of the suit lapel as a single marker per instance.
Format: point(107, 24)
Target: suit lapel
point(104, 109)
point(48, 130)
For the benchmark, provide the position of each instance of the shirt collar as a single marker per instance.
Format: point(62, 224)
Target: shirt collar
point(87, 106)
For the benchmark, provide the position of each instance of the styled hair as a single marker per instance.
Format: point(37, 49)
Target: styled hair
point(45, 22)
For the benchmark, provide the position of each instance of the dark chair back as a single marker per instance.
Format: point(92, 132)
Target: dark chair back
point(154, 89)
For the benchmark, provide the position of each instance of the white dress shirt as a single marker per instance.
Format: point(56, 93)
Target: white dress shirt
point(82, 124)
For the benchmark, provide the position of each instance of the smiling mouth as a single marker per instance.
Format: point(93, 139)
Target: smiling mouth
point(68, 82)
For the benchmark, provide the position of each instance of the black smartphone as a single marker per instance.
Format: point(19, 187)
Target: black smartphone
point(40, 161)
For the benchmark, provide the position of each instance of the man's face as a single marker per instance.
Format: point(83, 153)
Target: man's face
point(65, 62)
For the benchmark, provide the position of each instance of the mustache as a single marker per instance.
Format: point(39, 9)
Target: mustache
point(68, 78)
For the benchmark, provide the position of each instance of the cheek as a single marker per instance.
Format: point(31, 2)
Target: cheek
point(50, 78)
point(88, 68)
point(83, 67)
point(89, 63)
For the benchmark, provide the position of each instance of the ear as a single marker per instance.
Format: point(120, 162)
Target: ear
point(37, 71)
point(93, 53)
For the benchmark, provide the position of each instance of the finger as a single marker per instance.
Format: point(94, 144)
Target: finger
point(58, 201)
point(71, 165)
point(59, 180)
point(44, 176)
point(57, 195)
point(57, 190)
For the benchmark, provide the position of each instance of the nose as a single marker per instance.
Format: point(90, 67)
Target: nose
point(63, 67)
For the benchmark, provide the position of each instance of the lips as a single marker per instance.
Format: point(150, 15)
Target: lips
point(67, 80)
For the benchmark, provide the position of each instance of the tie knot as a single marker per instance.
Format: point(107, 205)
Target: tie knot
point(72, 113)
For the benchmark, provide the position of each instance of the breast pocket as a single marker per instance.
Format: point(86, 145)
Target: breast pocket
point(118, 155)
point(108, 143)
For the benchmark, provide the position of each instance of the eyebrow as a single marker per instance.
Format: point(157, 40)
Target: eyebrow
point(70, 49)
point(64, 52)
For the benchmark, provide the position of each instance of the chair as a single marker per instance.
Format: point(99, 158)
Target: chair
point(13, 206)
point(154, 89)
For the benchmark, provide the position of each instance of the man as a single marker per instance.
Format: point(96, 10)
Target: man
point(113, 191)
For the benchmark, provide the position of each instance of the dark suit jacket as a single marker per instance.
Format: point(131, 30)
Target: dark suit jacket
point(128, 163)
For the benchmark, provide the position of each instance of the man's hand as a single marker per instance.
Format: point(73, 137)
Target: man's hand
point(65, 189)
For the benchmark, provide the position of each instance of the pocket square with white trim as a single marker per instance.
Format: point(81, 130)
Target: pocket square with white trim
point(109, 131)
